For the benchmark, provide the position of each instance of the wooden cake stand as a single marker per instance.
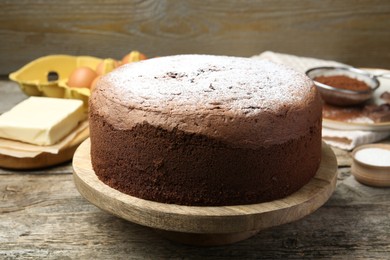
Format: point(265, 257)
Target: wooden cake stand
point(44, 159)
point(206, 226)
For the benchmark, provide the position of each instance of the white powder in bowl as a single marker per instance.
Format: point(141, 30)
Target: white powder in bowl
point(374, 156)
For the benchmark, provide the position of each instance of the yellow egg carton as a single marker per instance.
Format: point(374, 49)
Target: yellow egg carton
point(48, 76)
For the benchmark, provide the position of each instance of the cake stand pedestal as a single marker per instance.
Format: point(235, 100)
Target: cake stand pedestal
point(206, 226)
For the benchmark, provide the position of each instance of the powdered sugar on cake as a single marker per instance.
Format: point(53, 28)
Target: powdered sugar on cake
point(244, 102)
point(241, 85)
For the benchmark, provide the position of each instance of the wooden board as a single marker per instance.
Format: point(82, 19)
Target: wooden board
point(44, 159)
point(206, 225)
point(340, 30)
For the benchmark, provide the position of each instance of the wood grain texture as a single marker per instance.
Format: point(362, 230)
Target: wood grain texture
point(44, 216)
point(10, 95)
point(351, 31)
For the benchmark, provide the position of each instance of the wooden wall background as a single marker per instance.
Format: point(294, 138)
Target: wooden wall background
point(351, 31)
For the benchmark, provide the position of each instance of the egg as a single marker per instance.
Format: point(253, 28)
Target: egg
point(82, 77)
point(94, 82)
point(133, 56)
point(106, 66)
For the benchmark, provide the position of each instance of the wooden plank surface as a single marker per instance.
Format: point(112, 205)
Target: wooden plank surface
point(42, 215)
point(351, 31)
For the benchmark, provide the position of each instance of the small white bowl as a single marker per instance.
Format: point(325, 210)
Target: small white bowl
point(368, 168)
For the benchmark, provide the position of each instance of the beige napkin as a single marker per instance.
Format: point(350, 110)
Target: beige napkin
point(343, 139)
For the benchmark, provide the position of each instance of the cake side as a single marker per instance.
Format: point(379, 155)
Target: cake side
point(155, 164)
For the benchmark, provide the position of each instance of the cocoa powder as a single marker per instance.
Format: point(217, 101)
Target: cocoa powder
point(343, 82)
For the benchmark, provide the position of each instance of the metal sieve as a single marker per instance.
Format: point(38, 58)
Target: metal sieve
point(344, 97)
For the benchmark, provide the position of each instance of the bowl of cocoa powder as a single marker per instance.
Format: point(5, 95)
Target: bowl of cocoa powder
point(343, 86)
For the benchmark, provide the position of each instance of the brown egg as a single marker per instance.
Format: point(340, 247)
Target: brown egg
point(133, 56)
point(94, 82)
point(106, 66)
point(81, 77)
point(100, 68)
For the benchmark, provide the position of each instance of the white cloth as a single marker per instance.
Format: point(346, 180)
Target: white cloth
point(348, 140)
point(343, 139)
point(301, 64)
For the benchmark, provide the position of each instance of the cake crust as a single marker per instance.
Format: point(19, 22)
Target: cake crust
point(241, 101)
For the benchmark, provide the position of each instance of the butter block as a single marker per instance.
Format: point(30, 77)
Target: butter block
point(41, 120)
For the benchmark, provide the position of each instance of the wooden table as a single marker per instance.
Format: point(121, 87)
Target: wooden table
point(42, 215)
point(350, 31)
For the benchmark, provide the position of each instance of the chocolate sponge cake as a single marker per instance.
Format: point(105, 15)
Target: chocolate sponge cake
point(205, 130)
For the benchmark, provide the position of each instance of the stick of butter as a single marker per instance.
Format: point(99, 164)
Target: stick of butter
point(41, 120)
